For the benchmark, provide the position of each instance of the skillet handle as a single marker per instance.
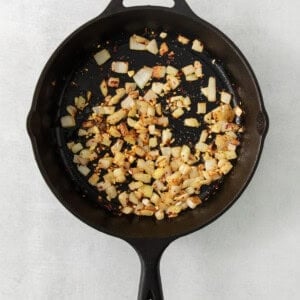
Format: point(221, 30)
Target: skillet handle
point(150, 252)
point(117, 6)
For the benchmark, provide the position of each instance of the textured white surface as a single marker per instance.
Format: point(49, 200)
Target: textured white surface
point(252, 252)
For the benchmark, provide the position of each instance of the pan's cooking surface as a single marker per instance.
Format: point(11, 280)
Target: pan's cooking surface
point(87, 75)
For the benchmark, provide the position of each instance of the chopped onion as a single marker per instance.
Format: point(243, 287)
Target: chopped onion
point(178, 113)
point(130, 73)
point(116, 117)
point(102, 57)
point(103, 110)
point(152, 47)
point(173, 81)
point(197, 46)
point(191, 122)
point(67, 121)
point(130, 86)
point(137, 42)
point(187, 70)
point(183, 40)
point(84, 170)
point(159, 71)
point(163, 35)
point(163, 49)
point(143, 76)
point(150, 95)
point(191, 77)
point(171, 70)
point(119, 67)
point(71, 110)
point(201, 108)
point(127, 103)
point(212, 90)
point(238, 111)
point(80, 102)
point(103, 88)
point(225, 97)
point(204, 91)
point(157, 87)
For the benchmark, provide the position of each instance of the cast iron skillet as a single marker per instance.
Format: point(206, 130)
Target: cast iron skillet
point(148, 237)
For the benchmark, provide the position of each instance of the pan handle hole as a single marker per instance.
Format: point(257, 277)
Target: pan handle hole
point(150, 296)
point(166, 3)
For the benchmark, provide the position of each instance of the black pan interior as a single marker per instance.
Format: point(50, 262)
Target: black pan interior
point(55, 89)
point(87, 75)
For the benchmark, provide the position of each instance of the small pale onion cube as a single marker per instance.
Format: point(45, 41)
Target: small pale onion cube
point(191, 122)
point(93, 180)
point(197, 46)
point(152, 47)
point(191, 77)
point(178, 113)
point(102, 57)
point(103, 88)
point(183, 40)
point(238, 111)
point(163, 35)
point(212, 89)
point(67, 121)
point(77, 147)
point(120, 67)
point(201, 108)
point(171, 70)
point(225, 97)
point(159, 215)
point(146, 178)
point(187, 70)
point(84, 170)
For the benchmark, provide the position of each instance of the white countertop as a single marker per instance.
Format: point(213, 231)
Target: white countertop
point(252, 252)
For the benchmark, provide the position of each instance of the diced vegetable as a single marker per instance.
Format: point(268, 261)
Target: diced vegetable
point(102, 57)
point(157, 87)
point(171, 70)
point(143, 76)
point(119, 67)
point(103, 88)
point(191, 122)
point(191, 77)
point(178, 113)
point(183, 40)
point(197, 46)
point(67, 121)
point(187, 70)
point(211, 94)
point(152, 47)
point(163, 35)
point(130, 86)
point(163, 49)
point(201, 108)
point(71, 110)
point(225, 97)
point(84, 170)
point(116, 117)
point(159, 72)
point(137, 42)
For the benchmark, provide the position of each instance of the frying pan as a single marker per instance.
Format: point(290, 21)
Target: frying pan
point(56, 84)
